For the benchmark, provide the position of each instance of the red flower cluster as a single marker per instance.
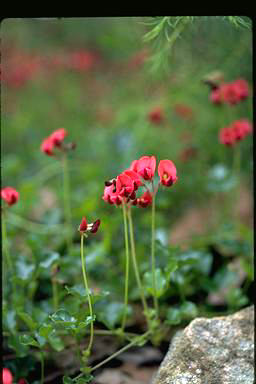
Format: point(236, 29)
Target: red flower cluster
point(85, 227)
point(54, 140)
point(156, 115)
point(235, 132)
point(124, 187)
point(230, 93)
point(10, 195)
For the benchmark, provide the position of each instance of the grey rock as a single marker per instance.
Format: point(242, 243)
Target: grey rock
point(219, 350)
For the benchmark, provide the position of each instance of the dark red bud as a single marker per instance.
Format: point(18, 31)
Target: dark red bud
point(95, 226)
point(83, 225)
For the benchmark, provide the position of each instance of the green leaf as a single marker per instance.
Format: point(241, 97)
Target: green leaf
point(188, 310)
point(48, 262)
point(41, 340)
point(67, 380)
point(173, 316)
point(15, 344)
point(64, 319)
point(24, 271)
point(11, 320)
point(111, 313)
point(161, 282)
point(29, 340)
point(45, 329)
point(86, 379)
point(32, 325)
point(56, 342)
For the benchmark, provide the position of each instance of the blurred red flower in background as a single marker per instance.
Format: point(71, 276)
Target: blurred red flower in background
point(10, 195)
point(156, 115)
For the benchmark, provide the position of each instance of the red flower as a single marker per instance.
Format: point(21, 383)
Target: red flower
point(167, 172)
point(242, 88)
point(241, 128)
point(227, 136)
point(111, 195)
point(7, 376)
point(126, 186)
point(215, 96)
point(145, 167)
point(22, 381)
point(230, 93)
point(58, 136)
point(145, 200)
point(10, 195)
point(92, 227)
point(81, 60)
point(156, 115)
point(47, 146)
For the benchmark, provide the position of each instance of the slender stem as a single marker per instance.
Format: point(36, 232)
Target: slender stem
point(135, 265)
point(7, 253)
point(88, 292)
point(67, 208)
point(55, 290)
point(42, 366)
point(126, 267)
point(153, 260)
point(135, 341)
point(236, 170)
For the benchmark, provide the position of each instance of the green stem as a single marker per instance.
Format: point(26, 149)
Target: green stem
point(7, 253)
point(126, 267)
point(133, 342)
point(42, 366)
point(236, 171)
point(135, 265)
point(153, 260)
point(88, 292)
point(55, 291)
point(67, 208)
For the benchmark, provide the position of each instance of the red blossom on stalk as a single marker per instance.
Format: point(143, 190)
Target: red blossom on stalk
point(145, 200)
point(7, 376)
point(145, 167)
point(47, 146)
point(22, 381)
point(167, 172)
point(55, 140)
point(10, 195)
point(231, 93)
point(111, 195)
point(215, 96)
point(58, 136)
point(156, 115)
point(92, 227)
point(227, 136)
point(235, 132)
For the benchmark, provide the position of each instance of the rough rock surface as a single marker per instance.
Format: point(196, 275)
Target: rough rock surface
point(219, 350)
